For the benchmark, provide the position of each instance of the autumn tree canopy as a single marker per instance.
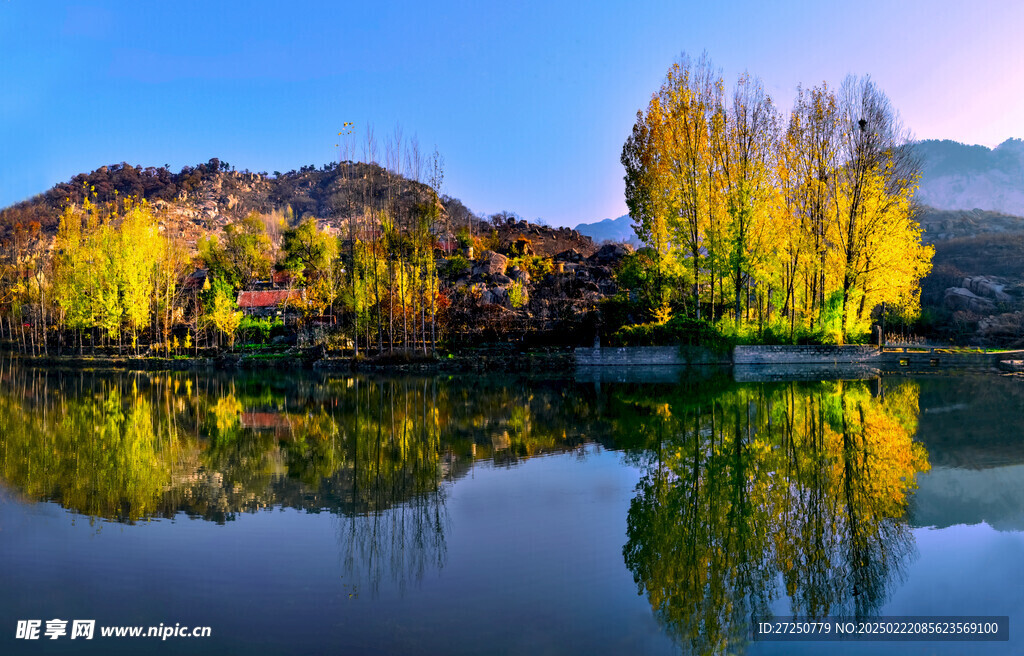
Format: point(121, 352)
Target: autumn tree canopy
point(797, 225)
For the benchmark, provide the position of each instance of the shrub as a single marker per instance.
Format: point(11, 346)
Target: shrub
point(676, 331)
point(517, 295)
point(455, 266)
point(258, 329)
point(535, 265)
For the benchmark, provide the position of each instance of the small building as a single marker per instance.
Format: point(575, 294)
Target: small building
point(271, 302)
point(281, 279)
point(195, 282)
point(446, 245)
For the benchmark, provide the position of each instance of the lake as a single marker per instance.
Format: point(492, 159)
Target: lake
point(635, 512)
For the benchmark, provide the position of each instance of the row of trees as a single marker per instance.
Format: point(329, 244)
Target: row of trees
point(392, 286)
point(116, 272)
point(798, 225)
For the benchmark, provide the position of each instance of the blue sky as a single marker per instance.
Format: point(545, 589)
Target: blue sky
point(529, 102)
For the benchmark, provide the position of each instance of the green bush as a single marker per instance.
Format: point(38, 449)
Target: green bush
point(535, 265)
point(676, 331)
point(258, 329)
point(516, 294)
point(455, 266)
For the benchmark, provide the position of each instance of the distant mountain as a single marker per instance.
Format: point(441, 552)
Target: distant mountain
point(956, 176)
point(620, 230)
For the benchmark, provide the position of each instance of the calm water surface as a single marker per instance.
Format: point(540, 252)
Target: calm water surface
point(502, 514)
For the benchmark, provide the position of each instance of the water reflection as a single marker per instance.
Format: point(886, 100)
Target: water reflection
point(749, 494)
point(378, 453)
point(126, 447)
point(749, 486)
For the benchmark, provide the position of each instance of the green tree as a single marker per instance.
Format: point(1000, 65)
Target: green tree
point(245, 254)
point(222, 310)
point(309, 250)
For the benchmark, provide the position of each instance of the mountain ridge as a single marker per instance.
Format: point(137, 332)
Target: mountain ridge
point(957, 176)
point(619, 229)
point(213, 193)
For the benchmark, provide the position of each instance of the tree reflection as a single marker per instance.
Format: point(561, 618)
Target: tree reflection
point(744, 486)
point(806, 484)
point(375, 452)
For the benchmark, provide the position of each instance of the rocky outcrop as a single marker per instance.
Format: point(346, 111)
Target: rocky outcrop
point(981, 295)
point(610, 253)
point(497, 299)
point(491, 263)
point(988, 288)
point(961, 298)
point(516, 236)
point(1002, 326)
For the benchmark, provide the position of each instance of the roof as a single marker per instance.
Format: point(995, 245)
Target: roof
point(268, 298)
point(264, 420)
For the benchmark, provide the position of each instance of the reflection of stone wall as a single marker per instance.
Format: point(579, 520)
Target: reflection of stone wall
point(803, 354)
point(761, 373)
point(646, 356)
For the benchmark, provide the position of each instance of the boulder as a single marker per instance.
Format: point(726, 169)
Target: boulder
point(1007, 325)
point(491, 263)
point(988, 288)
point(521, 275)
point(961, 298)
point(501, 279)
point(571, 255)
point(611, 253)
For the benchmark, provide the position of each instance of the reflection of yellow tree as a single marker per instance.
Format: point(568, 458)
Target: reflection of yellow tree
point(806, 483)
point(127, 447)
point(103, 456)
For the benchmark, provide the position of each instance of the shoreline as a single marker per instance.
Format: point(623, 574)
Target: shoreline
point(759, 361)
point(483, 360)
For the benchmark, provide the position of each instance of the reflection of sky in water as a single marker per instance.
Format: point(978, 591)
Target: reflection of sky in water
point(959, 570)
point(534, 565)
point(947, 496)
point(527, 555)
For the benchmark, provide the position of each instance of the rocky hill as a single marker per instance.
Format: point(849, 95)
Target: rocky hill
point(211, 194)
point(942, 225)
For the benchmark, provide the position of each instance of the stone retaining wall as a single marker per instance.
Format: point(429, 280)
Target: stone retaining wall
point(743, 355)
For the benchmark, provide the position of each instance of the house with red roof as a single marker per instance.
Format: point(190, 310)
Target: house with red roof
point(271, 302)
